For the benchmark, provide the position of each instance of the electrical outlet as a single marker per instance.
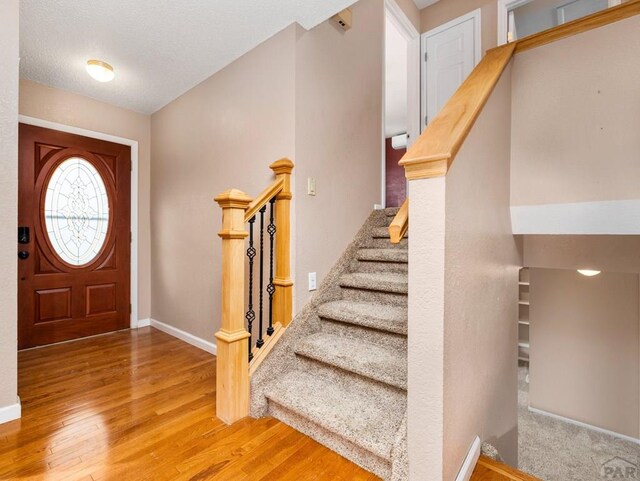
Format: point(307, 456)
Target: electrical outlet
point(312, 281)
point(311, 186)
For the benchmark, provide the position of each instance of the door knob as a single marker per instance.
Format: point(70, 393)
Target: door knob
point(23, 255)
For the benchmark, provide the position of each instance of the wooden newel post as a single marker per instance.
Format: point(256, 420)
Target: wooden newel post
point(283, 296)
point(232, 379)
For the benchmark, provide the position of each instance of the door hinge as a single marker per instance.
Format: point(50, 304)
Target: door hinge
point(130, 309)
point(426, 56)
point(426, 120)
point(130, 237)
point(131, 165)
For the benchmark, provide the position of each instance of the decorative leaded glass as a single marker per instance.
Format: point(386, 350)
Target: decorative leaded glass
point(76, 211)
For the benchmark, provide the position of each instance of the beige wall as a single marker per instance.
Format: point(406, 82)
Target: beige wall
point(314, 96)
point(221, 134)
point(463, 290)
point(55, 105)
point(8, 200)
point(411, 11)
point(446, 10)
point(338, 136)
point(481, 282)
point(573, 123)
point(585, 337)
point(615, 253)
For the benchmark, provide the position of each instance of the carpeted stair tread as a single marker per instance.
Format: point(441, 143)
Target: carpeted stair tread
point(376, 316)
point(376, 281)
point(367, 419)
point(383, 364)
point(380, 233)
point(383, 255)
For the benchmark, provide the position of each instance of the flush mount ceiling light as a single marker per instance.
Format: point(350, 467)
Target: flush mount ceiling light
point(100, 71)
point(588, 272)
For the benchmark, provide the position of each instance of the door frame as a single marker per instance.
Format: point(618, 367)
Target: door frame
point(476, 15)
point(47, 124)
point(397, 16)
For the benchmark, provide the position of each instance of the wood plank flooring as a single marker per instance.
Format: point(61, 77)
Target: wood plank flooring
point(140, 405)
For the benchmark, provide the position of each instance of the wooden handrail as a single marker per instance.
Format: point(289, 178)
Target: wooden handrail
point(265, 196)
point(434, 151)
point(233, 339)
point(595, 20)
point(400, 223)
point(436, 148)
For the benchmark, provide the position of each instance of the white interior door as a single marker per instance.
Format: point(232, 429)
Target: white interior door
point(450, 52)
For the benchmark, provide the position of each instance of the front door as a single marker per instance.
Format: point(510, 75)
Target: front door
point(450, 54)
point(74, 236)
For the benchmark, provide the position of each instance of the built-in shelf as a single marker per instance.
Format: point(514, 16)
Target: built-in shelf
point(524, 322)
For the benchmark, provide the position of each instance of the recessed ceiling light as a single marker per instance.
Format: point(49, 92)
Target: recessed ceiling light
point(100, 71)
point(588, 272)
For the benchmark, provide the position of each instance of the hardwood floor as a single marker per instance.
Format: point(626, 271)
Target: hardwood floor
point(140, 405)
point(488, 470)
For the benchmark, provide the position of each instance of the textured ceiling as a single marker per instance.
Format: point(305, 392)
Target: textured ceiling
point(424, 3)
point(159, 48)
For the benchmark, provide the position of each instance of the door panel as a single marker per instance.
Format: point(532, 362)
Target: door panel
point(74, 273)
point(450, 58)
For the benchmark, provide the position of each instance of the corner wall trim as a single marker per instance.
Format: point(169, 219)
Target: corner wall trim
point(143, 323)
point(613, 217)
point(584, 425)
point(11, 413)
point(210, 347)
point(470, 461)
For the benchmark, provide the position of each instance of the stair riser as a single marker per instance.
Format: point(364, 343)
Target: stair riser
point(382, 243)
point(350, 380)
point(381, 338)
point(335, 442)
point(362, 295)
point(377, 266)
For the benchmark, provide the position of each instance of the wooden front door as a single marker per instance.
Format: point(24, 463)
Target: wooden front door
point(74, 237)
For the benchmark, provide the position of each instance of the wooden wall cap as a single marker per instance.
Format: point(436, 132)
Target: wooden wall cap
point(233, 198)
point(282, 166)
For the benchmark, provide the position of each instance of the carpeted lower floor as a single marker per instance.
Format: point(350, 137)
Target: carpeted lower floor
point(553, 450)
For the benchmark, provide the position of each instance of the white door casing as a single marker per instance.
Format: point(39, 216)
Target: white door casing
point(449, 52)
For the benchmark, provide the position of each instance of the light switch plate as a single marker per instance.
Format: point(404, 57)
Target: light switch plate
point(311, 186)
point(312, 281)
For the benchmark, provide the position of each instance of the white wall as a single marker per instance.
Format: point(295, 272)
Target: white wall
point(9, 55)
point(396, 81)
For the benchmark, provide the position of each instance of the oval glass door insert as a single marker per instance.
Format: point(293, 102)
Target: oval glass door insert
point(76, 211)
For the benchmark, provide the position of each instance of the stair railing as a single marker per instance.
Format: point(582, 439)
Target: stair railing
point(241, 345)
point(400, 223)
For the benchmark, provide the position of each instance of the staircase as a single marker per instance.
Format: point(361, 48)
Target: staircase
point(339, 374)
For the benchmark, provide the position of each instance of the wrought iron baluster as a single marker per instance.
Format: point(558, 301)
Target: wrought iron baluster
point(260, 341)
point(250, 315)
point(271, 229)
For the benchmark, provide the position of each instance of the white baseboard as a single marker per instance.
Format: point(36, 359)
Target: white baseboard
point(10, 413)
point(210, 347)
point(143, 323)
point(470, 461)
point(584, 425)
